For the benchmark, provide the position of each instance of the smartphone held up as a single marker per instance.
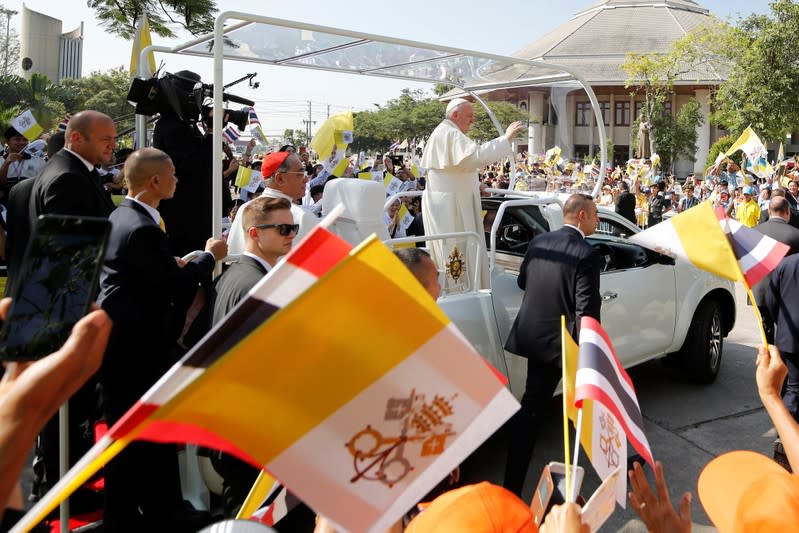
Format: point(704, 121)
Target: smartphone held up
point(57, 285)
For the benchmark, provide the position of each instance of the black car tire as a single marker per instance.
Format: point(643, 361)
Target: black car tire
point(700, 355)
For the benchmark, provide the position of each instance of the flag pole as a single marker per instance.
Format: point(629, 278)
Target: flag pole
point(572, 496)
point(256, 496)
point(97, 457)
point(756, 310)
point(565, 406)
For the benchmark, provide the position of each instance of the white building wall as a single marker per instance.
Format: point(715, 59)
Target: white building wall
point(51, 53)
point(39, 41)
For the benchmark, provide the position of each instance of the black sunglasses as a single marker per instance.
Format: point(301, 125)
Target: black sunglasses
point(284, 229)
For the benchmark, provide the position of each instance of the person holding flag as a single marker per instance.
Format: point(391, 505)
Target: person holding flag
point(560, 276)
point(15, 163)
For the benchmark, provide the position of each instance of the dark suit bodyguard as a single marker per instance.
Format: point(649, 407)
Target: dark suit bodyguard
point(777, 227)
point(67, 185)
point(559, 276)
point(138, 287)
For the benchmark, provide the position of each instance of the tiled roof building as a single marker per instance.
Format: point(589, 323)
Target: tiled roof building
point(595, 43)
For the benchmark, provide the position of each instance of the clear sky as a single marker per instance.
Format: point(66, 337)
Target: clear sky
point(282, 99)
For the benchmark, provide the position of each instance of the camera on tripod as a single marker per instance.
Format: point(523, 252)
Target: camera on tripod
point(184, 95)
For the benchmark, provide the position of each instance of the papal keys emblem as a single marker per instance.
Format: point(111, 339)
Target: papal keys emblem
point(456, 267)
point(416, 427)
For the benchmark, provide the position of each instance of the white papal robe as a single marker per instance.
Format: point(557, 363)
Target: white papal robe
point(451, 200)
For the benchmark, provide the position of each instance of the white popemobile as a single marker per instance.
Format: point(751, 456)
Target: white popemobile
point(652, 306)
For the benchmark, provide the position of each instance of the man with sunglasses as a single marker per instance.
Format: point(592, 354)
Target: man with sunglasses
point(269, 232)
point(284, 175)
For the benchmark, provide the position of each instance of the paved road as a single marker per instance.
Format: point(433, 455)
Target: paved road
point(686, 424)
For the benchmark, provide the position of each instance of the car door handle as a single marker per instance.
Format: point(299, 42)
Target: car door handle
point(606, 297)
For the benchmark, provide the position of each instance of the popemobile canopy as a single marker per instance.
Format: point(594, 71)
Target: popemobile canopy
point(257, 39)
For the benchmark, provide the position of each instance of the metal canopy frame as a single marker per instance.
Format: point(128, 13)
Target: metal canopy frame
point(467, 70)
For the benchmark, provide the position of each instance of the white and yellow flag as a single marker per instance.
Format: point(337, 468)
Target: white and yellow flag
point(26, 124)
point(140, 41)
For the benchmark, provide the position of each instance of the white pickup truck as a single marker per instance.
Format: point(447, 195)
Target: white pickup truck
point(651, 306)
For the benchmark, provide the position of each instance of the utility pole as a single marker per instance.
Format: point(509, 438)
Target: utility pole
point(8, 13)
point(308, 124)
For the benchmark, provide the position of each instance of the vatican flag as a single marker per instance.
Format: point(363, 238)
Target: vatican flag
point(140, 41)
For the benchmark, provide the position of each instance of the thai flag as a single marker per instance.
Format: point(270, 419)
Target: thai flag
point(600, 377)
point(254, 118)
point(230, 135)
point(757, 254)
point(394, 146)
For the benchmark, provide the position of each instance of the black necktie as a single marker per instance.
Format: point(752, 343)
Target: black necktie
point(95, 176)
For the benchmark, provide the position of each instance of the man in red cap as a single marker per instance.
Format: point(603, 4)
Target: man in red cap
point(285, 178)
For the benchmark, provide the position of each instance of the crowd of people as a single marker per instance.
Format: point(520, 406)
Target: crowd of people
point(160, 305)
point(648, 199)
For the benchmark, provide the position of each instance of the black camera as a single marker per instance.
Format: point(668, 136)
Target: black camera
point(184, 95)
point(238, 118)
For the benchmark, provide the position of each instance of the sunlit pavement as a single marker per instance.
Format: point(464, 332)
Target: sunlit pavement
point(686, 424)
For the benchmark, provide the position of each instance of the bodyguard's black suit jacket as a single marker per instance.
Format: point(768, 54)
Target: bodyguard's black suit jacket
point(19, 229)
point(64, 187)
point(67, 187)
point(779, 230)
point(782, 300)
point(559, 276)
point(138, 285)
point(234, 284)
point(625, 206)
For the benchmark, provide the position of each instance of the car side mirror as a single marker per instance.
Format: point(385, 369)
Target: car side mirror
point(512, 233)
point(664, 259)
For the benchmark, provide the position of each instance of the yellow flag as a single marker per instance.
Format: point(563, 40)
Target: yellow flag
point(570, 358)
point(141, 41)
point(26, 124)
point(365, 176)
point(415, 169)
point(243, 176)
point(336, 132)
point(341, 167)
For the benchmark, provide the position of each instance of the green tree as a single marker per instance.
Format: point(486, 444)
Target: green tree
point(18, 94)
point(653, 75)
point(719, 147)
point(411, 115)
point(760, 89)
point(414, 115)
point(295, 137)
point(440, 89)
point(119, 17)
point(105, 91)
point(483, 129)
point(676, 135)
